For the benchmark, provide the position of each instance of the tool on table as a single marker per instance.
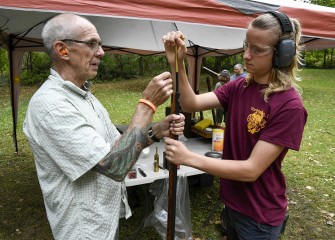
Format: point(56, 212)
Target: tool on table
point(156, 161)
point(142, 172)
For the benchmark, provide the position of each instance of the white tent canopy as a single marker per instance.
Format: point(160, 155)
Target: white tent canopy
point(212, 27)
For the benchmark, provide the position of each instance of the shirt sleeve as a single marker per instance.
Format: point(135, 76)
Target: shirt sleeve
point(286, 129)
point(226, 92)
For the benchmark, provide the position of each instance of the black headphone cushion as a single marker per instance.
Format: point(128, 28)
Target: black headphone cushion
point(284, 54)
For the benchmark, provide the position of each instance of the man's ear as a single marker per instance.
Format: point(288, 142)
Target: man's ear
point(61, 49)
point(63, 52)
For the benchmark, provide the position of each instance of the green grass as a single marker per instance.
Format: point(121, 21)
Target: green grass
point(310, 172)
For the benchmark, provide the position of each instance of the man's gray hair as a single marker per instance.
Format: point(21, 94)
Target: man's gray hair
point(60, 27)
point(239, 66)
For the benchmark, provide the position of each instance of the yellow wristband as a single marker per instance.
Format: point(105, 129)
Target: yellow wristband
point(150, 104)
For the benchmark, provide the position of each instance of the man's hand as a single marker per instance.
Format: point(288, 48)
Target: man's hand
point(174, 123)
point(159, 89)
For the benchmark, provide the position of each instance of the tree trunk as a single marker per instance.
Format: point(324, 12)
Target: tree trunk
point(218, 63)
point(141, 65)
point(325, 58)
point(331, 58)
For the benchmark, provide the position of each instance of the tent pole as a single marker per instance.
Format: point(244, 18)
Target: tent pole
point(12, 94)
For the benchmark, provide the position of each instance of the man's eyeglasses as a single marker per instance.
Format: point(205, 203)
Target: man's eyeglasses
point(91, 44)
point(257, 50)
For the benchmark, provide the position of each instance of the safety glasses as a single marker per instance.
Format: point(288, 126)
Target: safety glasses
point(256, 50)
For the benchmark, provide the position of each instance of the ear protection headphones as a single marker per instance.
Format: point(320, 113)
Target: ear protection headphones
point(285, 49)
point(63, 52)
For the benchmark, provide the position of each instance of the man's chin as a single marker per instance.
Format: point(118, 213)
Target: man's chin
point(93, 74)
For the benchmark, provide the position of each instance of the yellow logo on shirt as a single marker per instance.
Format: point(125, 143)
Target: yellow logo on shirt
point(256, 120)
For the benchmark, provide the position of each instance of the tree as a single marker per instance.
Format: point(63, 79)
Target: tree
point(35, 67)
point(327, 3)
point(3, 66)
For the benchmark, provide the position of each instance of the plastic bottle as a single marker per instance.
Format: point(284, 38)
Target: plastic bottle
point(217, 139)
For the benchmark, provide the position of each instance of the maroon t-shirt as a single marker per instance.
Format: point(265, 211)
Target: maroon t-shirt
point(249, 118)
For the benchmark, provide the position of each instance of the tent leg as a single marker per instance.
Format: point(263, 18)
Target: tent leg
point(12, 92)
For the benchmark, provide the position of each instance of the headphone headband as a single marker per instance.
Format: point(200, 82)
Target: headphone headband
point(285, 49)
point(284, 21)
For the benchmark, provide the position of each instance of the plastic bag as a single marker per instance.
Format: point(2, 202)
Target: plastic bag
point(158, 218)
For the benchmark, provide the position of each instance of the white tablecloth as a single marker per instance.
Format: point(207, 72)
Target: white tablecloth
point(146, 161)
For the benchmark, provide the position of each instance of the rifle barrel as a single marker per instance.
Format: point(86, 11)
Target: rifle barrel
point(171, 219)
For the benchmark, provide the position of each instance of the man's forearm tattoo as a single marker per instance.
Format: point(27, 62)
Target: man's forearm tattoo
point(117, 163)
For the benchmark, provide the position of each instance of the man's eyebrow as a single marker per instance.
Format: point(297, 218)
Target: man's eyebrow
point(93, 39)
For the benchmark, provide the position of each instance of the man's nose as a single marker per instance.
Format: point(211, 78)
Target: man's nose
point(100, 52)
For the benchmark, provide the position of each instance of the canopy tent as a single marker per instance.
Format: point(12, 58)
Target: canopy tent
point(212, 27)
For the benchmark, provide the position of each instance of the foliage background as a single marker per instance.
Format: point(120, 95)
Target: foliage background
point(114, 67)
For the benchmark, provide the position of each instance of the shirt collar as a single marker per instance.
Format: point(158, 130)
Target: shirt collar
point(54, 75)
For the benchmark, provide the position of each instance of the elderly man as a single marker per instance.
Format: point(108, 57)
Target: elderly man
point(238, 72)
point(81, 158)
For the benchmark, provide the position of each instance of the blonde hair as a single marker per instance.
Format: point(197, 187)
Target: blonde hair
point(281, 78)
